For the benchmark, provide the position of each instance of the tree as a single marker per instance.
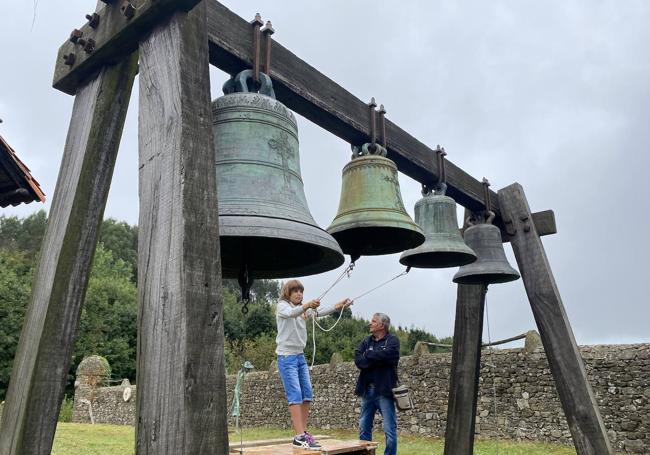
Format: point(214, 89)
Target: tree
point(122, 240)
point(24, 235)
point(108, 323)
point(15, 292)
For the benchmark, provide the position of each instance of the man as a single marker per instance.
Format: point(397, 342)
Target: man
point(377, 357)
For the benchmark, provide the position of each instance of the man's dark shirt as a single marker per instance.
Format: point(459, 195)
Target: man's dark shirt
point(377, 360)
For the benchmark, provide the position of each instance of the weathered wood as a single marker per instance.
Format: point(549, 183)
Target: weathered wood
point(47, 339)
point(313, 95)
point(576, 395)
point(181, 401)
point(329, 447)
point(114, 37)
point(465, 365)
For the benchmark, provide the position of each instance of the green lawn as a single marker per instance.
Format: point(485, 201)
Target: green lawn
point(77, 439)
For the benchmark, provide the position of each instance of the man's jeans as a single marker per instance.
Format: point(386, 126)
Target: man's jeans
point(371, 402)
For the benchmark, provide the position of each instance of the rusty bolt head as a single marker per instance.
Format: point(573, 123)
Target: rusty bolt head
point(81, 42)
point(75, 35)
point(127, 9)
point(93, 19)
point(527, 228)
point(69, 59)
point(89, 46)
point(524, 218)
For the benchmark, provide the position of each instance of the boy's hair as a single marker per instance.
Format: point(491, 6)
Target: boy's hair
point(289, 287)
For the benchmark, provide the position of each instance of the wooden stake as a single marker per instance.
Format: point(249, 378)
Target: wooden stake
point(181, 399)
point(565, 361)
point(465, 365)
point(47, 339)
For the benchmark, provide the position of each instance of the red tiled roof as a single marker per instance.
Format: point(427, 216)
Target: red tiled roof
point(16, 183)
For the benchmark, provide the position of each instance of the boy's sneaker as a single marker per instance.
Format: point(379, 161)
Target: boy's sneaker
point(306, 441)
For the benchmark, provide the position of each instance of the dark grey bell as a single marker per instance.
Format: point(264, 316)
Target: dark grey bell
point(443, 245)
point(265, 227)
point(491, 265)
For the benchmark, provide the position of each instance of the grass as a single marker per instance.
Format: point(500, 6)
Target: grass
point(75, 438)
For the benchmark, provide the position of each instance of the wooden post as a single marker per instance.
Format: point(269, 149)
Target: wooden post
point(47, 339)
point(181, 400)
point(465, 368)
point(576, 395)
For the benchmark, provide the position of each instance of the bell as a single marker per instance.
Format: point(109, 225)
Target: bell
point(491, 265)
point(443, 247)
point(371, 219)
point(265, 227)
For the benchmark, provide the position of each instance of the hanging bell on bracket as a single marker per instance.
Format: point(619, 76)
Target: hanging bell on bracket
point(371, 219)
point(265, 227)
point(444, 247)
point(491, 265)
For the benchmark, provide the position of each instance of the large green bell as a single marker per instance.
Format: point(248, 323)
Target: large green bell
point(444, 247)
point(371, 218)
point(265, 227)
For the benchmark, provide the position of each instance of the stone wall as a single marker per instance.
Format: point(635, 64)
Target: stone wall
point(527, 405)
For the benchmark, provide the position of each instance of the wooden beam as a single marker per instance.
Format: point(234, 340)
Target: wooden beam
point(313, 95)
point(465, 369)
point(181, 400)
point(114, 36)
point(47, 339)
point(566, 364)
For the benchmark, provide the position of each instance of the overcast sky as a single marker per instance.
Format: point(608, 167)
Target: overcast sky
point(553, 95)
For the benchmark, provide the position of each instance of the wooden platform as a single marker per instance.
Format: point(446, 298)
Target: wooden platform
point(283, 447)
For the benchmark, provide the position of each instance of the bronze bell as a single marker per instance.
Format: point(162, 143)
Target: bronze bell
point(371, 218)
point(265, 227)
point(491, 265)
point(444, 247)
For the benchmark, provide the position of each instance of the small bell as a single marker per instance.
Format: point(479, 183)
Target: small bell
point(444, 247)
point(371, 218)
point(491, 265)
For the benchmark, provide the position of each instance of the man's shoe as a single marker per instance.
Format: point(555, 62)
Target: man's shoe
point(306, 441)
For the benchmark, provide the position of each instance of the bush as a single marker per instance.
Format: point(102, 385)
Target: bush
point(66, 410)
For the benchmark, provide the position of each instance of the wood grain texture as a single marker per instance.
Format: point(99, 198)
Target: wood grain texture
point(465, 365)
point(181, 402)
point(46, 342)
point(115, 37)
point(576, 395)
point(313, 95)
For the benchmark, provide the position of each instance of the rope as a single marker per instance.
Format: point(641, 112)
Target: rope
point(494, 386)
point(345, 272)
point(408, 269)
point(314, 323)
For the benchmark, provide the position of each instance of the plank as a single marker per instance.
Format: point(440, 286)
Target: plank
point(45, 348)
point(234, 445)
point(566, 365)
point(313, 95)
point(115, 36)
point(465, 366)
point(181, 401)
point(329, 447)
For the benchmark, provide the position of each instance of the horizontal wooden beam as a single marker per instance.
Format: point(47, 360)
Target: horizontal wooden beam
point(110, 34)
point(313, 95)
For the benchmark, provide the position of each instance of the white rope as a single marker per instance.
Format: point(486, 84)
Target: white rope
point(314, 323)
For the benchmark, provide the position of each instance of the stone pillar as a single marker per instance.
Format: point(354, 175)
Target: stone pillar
point(92, 373)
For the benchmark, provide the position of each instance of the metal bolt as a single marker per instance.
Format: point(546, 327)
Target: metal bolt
point(81, 42)
point(127, 9)
point(69, 59)
point(524, 218)
point(75, 35)
point(527, 228)
point(89, 46)
point(93, 20)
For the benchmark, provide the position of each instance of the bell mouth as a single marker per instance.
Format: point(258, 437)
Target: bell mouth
point(377, 240)
point(488, 278)
point(275, 248)
point(437, 260)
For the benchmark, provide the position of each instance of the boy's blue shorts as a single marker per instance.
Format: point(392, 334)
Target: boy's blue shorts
point(295, 377)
